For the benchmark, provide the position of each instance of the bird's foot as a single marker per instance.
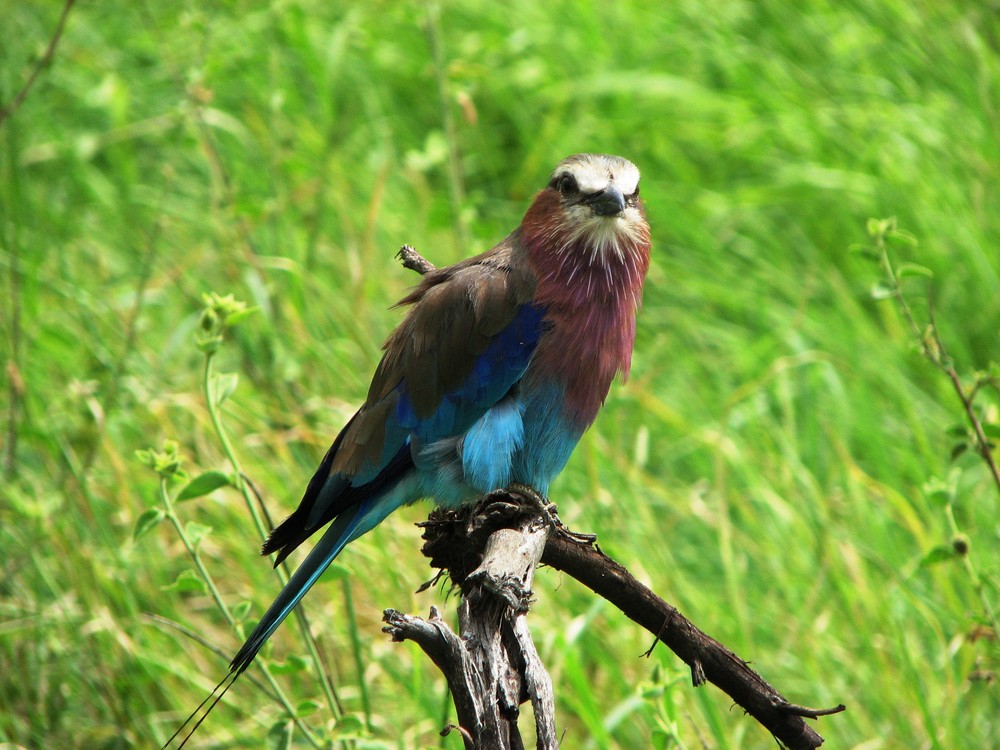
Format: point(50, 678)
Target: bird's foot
point(546, 509)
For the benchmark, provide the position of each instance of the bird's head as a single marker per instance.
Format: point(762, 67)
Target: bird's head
point(590, 206)
point(586, 234)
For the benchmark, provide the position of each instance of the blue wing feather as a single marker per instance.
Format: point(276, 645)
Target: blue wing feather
point(493, 374)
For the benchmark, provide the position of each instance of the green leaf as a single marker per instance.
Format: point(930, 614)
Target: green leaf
point(938, 495)
point(958, 430)
point(166, 462)
point(913, 269)
point(652, 692)
point(186, 581)
point(203, 484)
point(942, 491)
point(901, 236)
point(958, 449)
point(207, 343)
point(307, 707)
point(223, 386)
point(878, 227)
point(147, 522)
point(865, 251)
point(939, 554)
point(195, 532)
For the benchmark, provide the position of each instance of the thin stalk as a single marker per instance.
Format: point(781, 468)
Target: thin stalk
point(937, 355)
point(192, 551)
point(359, 663)
point(329, 691)
point(982, 442)
point(970, 569)
point(15, 382)
point(227, 446)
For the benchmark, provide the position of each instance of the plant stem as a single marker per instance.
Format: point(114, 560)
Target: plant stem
point(938, 356)
point(985, 451)
point(227, 446)
point(356, 651)
point(970, 569)
point(192, 551)
point(933, 349)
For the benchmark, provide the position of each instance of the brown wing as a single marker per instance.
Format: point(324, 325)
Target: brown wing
point(456, 312)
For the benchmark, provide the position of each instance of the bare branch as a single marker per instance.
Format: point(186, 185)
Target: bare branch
point(708, 659)
point(413, 260)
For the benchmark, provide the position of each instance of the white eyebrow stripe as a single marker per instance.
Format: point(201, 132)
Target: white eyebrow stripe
point(590, 180)
point(595, 172)
point(627, 181)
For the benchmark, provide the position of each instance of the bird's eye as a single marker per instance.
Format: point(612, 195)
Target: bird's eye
point(566, 184)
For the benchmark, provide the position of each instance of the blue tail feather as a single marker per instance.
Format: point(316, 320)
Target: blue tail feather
point(351, 524)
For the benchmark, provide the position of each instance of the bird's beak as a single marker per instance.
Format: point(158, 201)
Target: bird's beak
point(609, 202)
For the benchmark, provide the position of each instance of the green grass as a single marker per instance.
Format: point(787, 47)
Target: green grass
point(763, 468)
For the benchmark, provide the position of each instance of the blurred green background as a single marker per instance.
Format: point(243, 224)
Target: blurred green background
point(765, 468)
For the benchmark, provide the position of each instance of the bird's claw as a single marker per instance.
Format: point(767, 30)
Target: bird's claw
point(545, 509)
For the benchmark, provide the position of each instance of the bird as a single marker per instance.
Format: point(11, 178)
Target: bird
point(500, 364)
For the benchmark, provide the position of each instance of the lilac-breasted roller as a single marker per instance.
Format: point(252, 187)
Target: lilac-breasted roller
point(501, 363)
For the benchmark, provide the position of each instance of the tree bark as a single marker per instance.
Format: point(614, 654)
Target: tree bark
point(492, 667)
